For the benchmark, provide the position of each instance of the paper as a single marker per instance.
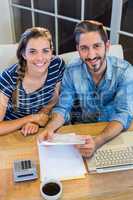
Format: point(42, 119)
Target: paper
point(60, 161)
point(64, 139)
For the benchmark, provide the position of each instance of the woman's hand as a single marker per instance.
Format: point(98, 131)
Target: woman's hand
point(29, 128)
point(40, 118)
point(87, 149)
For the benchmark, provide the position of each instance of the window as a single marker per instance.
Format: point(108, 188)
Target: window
point(60, 17)
point(127, 25)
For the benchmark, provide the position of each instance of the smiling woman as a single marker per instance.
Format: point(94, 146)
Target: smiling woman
point(29, 89)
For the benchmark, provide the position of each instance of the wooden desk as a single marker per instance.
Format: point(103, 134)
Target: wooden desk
point(110, 186)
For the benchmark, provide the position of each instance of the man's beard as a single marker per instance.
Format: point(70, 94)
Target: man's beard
point(102, 60)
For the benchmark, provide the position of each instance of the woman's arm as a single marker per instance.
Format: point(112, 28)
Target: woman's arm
point(12, 125)
point(31, 128)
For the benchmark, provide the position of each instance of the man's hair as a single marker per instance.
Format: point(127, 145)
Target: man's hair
point(86, 26)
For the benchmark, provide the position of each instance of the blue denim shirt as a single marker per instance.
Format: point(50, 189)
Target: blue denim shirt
point(111, 100)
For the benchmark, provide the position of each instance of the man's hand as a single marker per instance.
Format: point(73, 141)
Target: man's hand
point(56, 121)
point(29, 129)
point(46, 134)
point(87, 149)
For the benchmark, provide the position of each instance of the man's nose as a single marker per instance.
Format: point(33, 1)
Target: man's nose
point(91, 53)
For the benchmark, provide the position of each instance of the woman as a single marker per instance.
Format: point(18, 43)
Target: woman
point(30, 88)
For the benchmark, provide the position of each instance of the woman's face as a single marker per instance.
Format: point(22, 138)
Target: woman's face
point(38, 55)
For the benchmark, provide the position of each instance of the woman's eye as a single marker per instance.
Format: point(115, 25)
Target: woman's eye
point(35, 52)
point(46, 50)
point(32, 52)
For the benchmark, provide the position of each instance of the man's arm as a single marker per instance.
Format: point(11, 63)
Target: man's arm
point(121, 117)
point(110, 131)
point(62, 110)
point(57, 120)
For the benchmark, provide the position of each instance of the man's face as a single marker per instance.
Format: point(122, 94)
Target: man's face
point(92, 51)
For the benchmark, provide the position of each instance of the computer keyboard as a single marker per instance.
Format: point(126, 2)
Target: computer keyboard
point(114, 159)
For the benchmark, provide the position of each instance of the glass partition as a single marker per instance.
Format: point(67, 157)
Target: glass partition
point(60, 16)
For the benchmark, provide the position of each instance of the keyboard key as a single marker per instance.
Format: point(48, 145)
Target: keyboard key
point(106, 158)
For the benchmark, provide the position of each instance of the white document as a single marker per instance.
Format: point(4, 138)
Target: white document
point(64, 139)
point(60, 161)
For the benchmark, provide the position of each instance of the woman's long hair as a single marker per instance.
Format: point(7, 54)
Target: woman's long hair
point(34, 32)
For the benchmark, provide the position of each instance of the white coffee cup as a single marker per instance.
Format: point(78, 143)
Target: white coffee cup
point(51, 189)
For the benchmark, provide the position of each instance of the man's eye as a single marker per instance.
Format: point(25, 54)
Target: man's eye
point(83, 48)
point(97, 45)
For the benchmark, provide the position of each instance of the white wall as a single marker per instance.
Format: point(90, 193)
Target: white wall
point(6, 35)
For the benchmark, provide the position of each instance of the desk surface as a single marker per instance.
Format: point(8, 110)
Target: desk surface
point(111, 186)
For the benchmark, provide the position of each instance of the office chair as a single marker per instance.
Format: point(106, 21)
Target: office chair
point(115, 50)
point(7, 55)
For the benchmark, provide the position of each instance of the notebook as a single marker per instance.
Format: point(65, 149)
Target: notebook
point(125, 139)
point(61, 162)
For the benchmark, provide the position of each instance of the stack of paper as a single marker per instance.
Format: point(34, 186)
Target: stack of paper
point(60, 161)
point(64, 139)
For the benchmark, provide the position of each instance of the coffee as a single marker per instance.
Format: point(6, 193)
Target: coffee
point(51, 189)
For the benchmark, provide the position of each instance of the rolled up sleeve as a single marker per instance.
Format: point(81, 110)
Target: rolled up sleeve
point(66, 97)
point(124, 100)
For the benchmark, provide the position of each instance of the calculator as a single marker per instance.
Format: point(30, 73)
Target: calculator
point(24, 170)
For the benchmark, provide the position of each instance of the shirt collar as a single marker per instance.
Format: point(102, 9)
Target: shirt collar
point(109, 70)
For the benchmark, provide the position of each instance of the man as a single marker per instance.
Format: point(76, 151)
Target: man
point(103, 85)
